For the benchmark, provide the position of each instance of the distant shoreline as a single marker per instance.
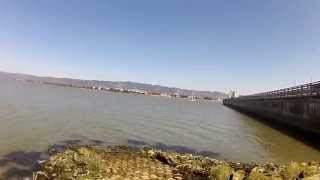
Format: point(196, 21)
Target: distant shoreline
point(120, 86)
point(126, 91)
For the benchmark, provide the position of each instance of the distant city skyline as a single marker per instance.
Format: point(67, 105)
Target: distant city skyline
point(248, 46)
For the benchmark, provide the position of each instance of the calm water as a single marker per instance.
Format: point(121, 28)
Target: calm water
point(33, 117)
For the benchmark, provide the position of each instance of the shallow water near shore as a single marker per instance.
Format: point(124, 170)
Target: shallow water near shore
point(33, 117)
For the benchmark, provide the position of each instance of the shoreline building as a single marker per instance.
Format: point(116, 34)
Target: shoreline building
point(233, 94)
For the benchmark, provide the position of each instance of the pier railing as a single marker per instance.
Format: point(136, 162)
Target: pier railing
point(310, 89)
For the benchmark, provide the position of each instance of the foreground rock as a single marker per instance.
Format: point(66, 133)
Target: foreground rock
point(125, 163)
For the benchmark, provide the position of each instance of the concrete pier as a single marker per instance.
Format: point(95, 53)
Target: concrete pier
point(297, 108)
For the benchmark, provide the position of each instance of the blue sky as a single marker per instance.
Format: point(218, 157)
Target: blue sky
point(247, 45)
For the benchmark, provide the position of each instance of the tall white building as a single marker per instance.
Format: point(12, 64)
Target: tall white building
point(233, 94)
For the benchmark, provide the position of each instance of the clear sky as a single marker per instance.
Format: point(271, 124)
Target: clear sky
point(248, 45)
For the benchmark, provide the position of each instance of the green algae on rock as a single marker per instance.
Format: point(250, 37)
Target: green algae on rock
point(85, 163)
point(126, 163)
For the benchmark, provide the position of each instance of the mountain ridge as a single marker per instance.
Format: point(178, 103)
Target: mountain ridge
point(115, 84)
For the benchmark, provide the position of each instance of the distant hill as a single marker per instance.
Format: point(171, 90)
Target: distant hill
point(116, 84)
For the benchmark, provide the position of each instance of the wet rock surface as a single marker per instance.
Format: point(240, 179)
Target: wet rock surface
point(104, 163)
point(84, 162)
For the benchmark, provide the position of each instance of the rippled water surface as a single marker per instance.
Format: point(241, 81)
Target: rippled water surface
point(34, 117)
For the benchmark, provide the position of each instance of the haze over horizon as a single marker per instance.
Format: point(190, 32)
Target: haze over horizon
point(249, 46)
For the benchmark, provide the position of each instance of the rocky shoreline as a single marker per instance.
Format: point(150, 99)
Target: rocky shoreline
point(85, 162)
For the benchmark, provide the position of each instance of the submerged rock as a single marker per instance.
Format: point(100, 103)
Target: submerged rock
point(126, 163)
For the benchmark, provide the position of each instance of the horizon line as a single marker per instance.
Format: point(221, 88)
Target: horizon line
point(84, 79)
